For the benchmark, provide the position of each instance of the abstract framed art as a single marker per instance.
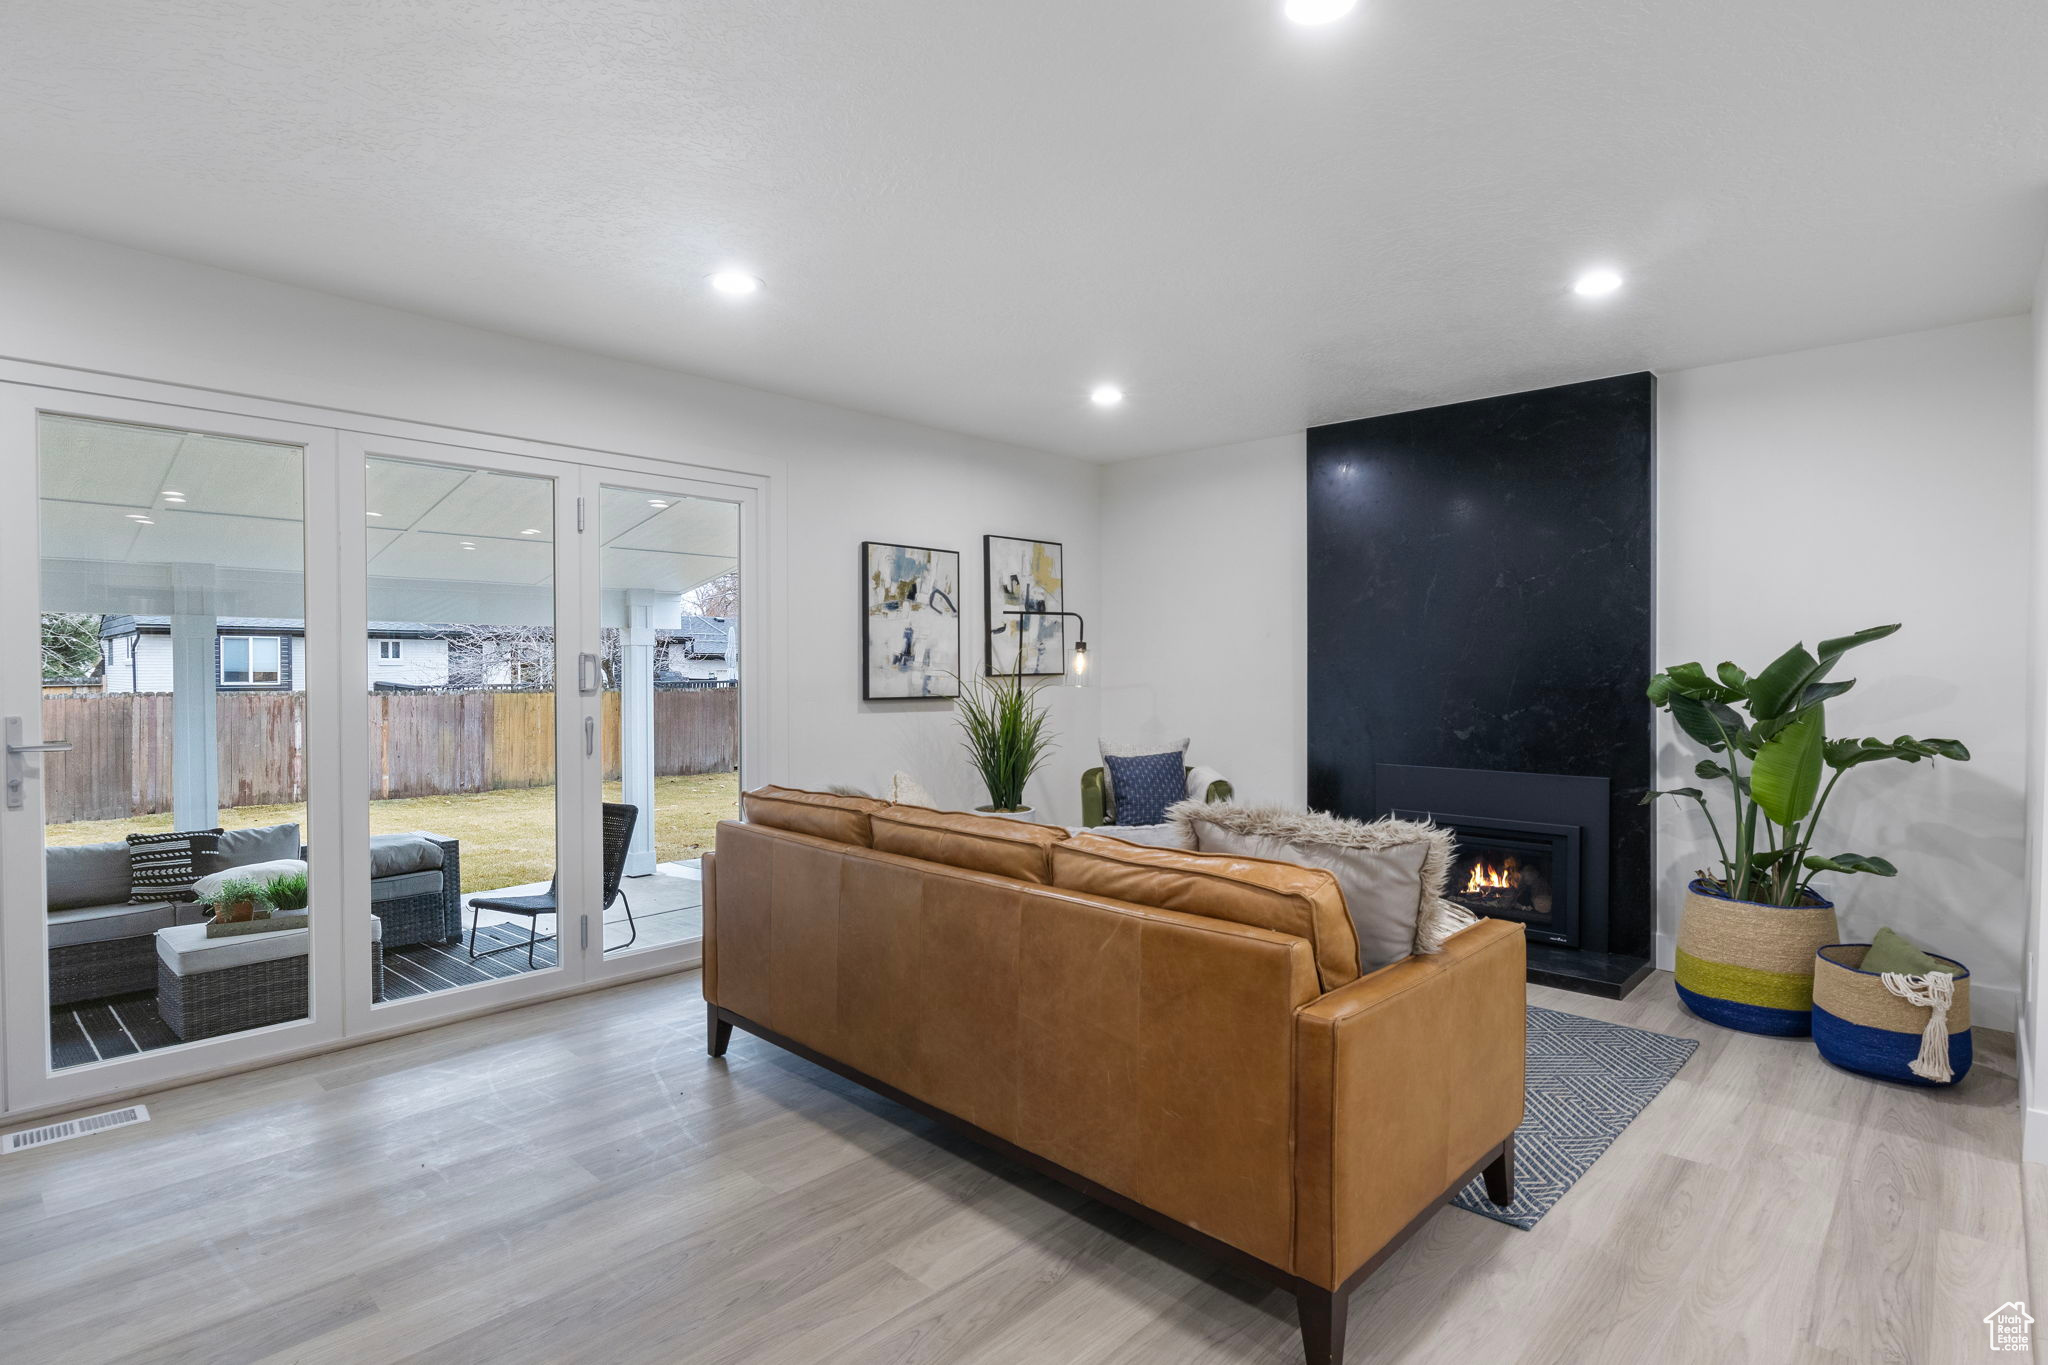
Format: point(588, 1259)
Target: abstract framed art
point(1023, 575)
point(910, 622)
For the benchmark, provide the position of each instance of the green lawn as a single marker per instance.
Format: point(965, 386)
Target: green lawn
point(507, 836)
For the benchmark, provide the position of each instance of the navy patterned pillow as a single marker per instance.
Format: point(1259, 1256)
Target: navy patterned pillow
point(1146, 785)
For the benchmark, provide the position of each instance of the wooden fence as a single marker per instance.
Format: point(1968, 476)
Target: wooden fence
point(421, 744)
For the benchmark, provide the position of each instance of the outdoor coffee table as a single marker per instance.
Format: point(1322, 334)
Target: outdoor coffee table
point(209, 986)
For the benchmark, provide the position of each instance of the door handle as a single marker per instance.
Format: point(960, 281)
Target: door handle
point(589, 737)
point(588, 675)
point(17, 771)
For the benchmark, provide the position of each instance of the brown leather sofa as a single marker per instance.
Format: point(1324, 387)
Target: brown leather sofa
point(1179, 1035)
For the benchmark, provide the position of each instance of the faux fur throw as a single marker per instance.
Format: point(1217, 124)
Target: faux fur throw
point(1438, 920)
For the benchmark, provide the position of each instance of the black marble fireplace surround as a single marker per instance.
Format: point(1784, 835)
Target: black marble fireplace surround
point(1479, 598)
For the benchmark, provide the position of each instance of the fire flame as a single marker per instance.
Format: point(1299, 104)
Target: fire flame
point(1486, 877)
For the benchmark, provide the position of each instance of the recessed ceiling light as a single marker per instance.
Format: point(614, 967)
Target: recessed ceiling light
point(142, 521)
point(1319, 11)
point(137, 516)
point(530, 531)
point(656, 502)
point(736, 282)
point(1105, 395)
point(467, 545)
point(1596, 283)
point(373, 514)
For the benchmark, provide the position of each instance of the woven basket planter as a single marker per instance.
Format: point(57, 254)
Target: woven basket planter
point(1861, 1026)
point(1750, 967)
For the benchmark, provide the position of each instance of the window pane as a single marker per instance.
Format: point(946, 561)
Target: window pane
point(155, 543)
point(671, 612)
point(462, 725)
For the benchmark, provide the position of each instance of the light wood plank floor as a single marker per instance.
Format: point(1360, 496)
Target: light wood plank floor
point(576, 1181)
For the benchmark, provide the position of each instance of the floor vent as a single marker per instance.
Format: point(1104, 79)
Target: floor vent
point(71, 1128)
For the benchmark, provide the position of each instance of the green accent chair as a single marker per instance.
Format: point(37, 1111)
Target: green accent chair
point(1098, 807)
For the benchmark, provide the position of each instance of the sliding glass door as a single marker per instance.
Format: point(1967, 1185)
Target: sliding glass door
point(315, 734)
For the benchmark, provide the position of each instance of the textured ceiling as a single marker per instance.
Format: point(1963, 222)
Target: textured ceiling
point(969, 212)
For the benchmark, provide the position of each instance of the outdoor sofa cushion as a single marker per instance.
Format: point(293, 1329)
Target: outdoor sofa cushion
point(259, 872)
point(87, 874)
point(84, 924)
point(394, 855)
point(257, 844)
point(406, 884)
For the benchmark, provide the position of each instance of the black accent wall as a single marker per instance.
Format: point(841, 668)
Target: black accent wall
point(1479, 596)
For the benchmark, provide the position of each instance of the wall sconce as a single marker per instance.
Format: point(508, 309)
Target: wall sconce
point(1079, 672)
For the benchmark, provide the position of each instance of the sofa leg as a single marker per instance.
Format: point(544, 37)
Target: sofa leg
point(1323, 1313)
point(1500, 1175)
point(717, 1032)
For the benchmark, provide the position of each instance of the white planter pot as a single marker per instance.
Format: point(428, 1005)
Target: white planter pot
point(1023, 814)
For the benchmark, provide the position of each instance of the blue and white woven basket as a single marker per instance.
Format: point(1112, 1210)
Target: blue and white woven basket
point(1862, 1023)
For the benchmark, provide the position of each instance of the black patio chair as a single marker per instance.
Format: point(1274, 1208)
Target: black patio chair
point(619, 820)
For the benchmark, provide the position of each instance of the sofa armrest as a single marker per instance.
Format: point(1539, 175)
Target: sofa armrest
point(1095, 807)
point(1404, 1079)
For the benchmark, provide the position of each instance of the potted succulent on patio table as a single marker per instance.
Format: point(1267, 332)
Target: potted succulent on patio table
point(1747, 941)
point(237, 900)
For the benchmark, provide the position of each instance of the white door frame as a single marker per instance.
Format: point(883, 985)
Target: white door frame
point(749, 498)
point(356, 449)
point(30, 1083)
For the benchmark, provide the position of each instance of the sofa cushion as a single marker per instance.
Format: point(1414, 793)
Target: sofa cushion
point(842, 819)
point(106, 923)
point(259, 872)
point(981, 843)
point(186, 950)
point(1285, 897)
point(1133, 748)
point(1391, 871)
point(407, 884)
point(87, 874)
point(164, 866)
point(257, 844)
point(396, 855)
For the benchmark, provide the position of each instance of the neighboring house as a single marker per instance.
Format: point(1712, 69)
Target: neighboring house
point(696, 648)
point(268, 654)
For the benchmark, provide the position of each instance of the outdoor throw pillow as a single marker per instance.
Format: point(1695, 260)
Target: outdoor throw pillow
point(1146, 785)
point(162, 867)
point(1894, 952)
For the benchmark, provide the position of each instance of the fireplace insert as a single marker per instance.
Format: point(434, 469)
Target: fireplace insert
point(1520, 875)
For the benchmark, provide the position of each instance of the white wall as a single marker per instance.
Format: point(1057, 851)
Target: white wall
point(1807, 495)
point(1203, 629)
point(841, 476)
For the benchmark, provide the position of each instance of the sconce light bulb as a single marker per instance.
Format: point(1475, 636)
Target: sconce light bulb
point(1080, 656)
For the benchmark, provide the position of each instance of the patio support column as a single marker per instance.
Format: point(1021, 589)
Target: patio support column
point(636, 718)
point(195, 747)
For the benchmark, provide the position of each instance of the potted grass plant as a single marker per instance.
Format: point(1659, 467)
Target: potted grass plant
point(287, 892)
point(1750, 929)
point(237, 900)
point(1003, 728)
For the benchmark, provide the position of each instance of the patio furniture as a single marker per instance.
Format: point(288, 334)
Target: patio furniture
point(619, 820)
point(206, 987)
point(101, 945)
point(416, 887)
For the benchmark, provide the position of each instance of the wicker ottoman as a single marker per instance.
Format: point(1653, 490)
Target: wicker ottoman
point(209, 986)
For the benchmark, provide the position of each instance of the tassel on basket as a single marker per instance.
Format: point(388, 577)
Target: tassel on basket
point(1910, 1029)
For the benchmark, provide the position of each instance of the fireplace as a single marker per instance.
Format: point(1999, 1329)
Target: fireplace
point(1533, 848)
point(1515, 869)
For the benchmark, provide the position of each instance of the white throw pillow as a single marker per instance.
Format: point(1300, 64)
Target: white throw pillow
point(905, 790)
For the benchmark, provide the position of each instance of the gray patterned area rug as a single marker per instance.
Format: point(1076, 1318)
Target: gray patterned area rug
point(1587, 1080)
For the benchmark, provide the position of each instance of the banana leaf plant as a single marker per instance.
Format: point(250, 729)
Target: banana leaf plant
point(1780, 732)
